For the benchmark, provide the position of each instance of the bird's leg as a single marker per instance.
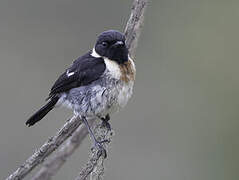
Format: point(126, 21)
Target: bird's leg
point(105, 121)
point(97, 144)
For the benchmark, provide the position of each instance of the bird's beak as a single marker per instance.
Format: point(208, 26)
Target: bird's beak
point(119, 43)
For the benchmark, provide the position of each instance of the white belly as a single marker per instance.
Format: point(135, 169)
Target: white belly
point(125, 93)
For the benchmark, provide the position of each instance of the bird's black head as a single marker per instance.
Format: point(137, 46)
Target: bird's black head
point(111, 44)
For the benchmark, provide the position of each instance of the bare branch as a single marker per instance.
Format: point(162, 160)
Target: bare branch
point(46, 149)
point(52, 165)
point(95, 165)
point(134, 25)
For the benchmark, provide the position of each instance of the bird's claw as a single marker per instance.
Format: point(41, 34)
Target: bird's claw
point(101, 150)
point(107, 125)
point(105, 122)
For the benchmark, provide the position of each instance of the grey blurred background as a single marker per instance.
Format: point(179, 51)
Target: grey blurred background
point(182, 122)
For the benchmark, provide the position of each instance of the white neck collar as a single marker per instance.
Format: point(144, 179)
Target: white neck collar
point(95, 54)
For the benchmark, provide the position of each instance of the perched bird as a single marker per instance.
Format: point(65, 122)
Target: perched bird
point(97, 84)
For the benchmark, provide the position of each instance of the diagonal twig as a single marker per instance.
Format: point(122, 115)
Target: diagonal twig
point(53, 164)
point(46, 149)
point(134, 25)
point(95, 165)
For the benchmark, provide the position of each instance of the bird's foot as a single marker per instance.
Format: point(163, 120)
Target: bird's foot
point(100, 148)
point(98, 144)
point(105, 122)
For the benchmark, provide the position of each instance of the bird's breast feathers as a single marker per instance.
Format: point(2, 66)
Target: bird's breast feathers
point(125, 75)
point(124, 72)
point(107, 94)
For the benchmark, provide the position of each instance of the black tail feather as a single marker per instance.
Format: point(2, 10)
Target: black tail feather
point(42, 112)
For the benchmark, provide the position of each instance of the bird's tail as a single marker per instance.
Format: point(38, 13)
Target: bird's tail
point(42, 112)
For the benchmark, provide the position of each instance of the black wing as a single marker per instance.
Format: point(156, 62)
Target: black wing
point(83, 71)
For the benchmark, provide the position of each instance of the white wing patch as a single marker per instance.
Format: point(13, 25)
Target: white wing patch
point(69, 73)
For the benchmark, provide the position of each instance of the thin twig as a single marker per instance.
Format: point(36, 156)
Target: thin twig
point(52, 165)
point(46, 149)
point(134, 25)
point(95, 166)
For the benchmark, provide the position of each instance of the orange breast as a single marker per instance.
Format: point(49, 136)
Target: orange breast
point(127, 71)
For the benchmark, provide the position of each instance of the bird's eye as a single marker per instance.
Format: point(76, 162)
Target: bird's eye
point(104, 43)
